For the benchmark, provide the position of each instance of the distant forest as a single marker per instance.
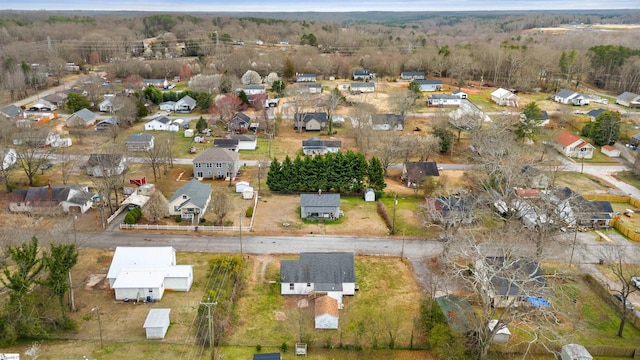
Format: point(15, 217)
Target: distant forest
point(508, 49)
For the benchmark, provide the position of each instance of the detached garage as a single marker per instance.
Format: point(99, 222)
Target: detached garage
point(157, 323)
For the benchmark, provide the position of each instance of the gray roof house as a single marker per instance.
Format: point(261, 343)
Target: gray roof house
point(315, 146)
point(239, 122)
point(429, 85)
point(412, 75)
point(301, 77)
point(387, 122)
point(216, 163)
point(331, 273)
point(190, 201)
point(106, 123)
point(570, 97)
point(51, 199)
point(139, 142)
point(593, 114)
point(310, 121)
point(362, 74)
point(508, 280)
point(81, 118)
point(12, 112)
point(100, 165)
point(628, 99)
point(246, 142)
point(185, 105)
point(320, 205)
point(362, 87)
point(229, 144)
point(414, 173)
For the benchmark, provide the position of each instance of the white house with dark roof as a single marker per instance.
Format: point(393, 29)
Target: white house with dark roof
point(81, 118)
point(167, 106)
point(144, 273)
point(628, 99)
point(139, 142)
point(331, 273)
point(111, 104)
point(302, 77)
point(362, 87)
point(254, 89)
point(216, 163)
point(160, 123)
point(226, 143)
point(246, 142)
point(190, 201)
point(429, 85)
point(51, 199)
point(313, 88)
point(185, 105)
point(412, 75)
point(362, 74)
point(570, 97)
point(444, 100)
point(320, 205)
point(315, 146)
point(43, 105)
point(386, 122)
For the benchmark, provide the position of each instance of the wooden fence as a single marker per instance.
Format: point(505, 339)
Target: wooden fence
point(618, 222)
point(182, 227)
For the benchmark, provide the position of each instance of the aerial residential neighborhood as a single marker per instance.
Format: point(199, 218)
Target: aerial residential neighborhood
point(345, 185)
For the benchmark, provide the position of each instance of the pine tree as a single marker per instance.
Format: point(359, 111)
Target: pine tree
point(376, 175)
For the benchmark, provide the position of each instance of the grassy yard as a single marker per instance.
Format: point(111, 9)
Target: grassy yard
point(629, 178)
point(581, 183)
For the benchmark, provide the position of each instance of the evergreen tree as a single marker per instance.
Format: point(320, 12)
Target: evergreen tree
point(58, 263)
point(446, 138)
point(606, 128)
point(274, 176)
point(77, 102)
point(243, 96)
point(375, 175)
point(202, 124)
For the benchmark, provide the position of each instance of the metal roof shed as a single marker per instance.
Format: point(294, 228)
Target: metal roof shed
point(157, 323)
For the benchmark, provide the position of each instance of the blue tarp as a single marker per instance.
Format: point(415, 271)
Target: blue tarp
point(537, 302)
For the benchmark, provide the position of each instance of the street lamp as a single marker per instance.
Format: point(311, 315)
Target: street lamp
point(96, 309)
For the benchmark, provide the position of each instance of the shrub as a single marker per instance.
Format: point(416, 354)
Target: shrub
point(203, 220)
point(384, 214)
point(284, 347)
point(249, 212)
point(130, 218)
point(178, 219)
point(258, 348)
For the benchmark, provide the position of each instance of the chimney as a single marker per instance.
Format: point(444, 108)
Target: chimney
point(319, 192)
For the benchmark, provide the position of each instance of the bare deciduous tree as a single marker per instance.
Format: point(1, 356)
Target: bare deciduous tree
point(221, 206)
point(156, 207)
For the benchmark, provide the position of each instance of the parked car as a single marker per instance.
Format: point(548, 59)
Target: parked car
point(635, 281)
point(46, 166)
point(627, 303)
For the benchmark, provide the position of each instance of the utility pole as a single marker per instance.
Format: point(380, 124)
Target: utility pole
point(212, 348)
point(97, 310)
point(393, 223)
point(402, 252)
point(241, 255)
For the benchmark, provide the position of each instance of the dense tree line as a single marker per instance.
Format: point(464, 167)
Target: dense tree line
point(496, 50)
point(33, 278)
point(343, 173)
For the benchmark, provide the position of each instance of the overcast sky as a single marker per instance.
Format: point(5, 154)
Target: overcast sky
point(321, 6)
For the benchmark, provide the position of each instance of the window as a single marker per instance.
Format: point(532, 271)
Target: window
point(209, 165)
point(198, 165)
point(308, 284)
point(290, 286)
point(218, 165)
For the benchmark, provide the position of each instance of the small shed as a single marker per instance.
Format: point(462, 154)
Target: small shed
point(502, 336)
point(188, 133)
point(157, 323)
point(575, 352)
point(62, 143)
point(369, 195)
point(247, 193)
point(241, 185)
point(610, 151)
